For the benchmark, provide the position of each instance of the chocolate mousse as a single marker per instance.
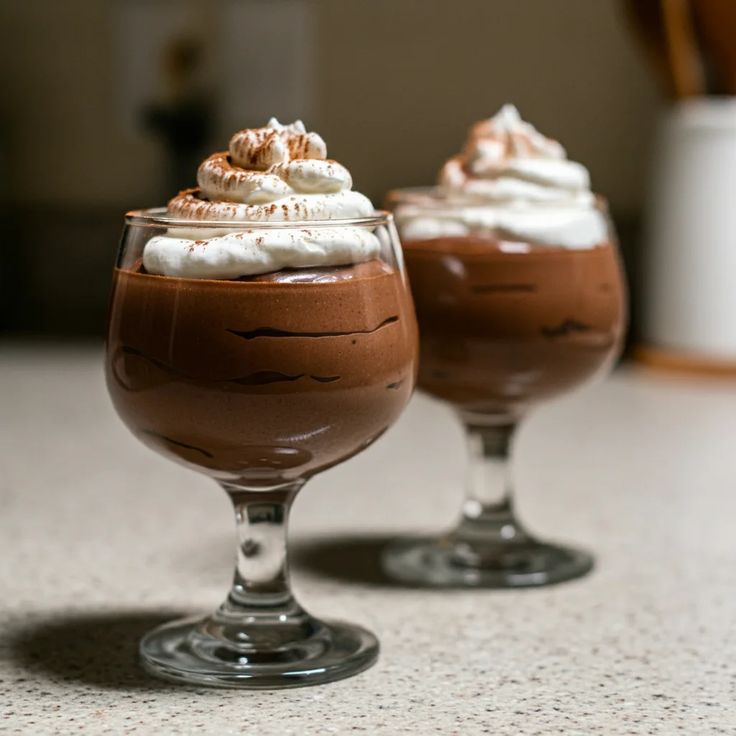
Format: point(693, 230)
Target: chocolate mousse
point(262, 355)
point(517, 284)
point(501, 328)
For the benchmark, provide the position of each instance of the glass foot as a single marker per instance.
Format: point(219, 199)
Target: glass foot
point(453, 563)
point(201, 652)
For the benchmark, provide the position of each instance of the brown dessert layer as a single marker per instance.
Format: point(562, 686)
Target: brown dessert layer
point(262, 379)
point(506, 324)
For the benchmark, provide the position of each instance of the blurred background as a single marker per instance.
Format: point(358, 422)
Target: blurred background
point(110, 104)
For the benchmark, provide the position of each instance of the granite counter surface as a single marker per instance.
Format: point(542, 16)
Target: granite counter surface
point(102, 539)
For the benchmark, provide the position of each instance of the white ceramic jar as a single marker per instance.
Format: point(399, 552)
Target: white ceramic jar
point(689, 297)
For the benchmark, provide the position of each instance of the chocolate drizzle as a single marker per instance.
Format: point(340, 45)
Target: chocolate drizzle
point(260, 378)
point(275, 332)
point(566, 327)
point(171, 441)
point(256, 378)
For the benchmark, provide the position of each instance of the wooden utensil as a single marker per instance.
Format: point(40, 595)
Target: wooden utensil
point(665, 31)
point(645, 18)
point(685, 63)
point(716, 26)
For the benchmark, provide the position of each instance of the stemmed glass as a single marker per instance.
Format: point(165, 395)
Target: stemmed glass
point(503, 326)
point(259, 383)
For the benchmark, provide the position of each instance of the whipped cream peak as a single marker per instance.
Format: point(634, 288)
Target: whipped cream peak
point(505, 137)
point(277, 173)
point(259, 148)
point(297, 127)
point(507, 159)
point(507, 176)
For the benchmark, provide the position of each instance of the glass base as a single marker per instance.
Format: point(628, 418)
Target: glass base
point(453, 563)
point(194, 652)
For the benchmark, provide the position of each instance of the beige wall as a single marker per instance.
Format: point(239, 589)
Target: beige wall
point(63, 146)
point(403, 78)
point(398, 83)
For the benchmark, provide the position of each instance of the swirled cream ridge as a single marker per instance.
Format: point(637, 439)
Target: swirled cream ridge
point(278, 173)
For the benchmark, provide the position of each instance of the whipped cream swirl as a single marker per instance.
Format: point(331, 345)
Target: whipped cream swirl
point(512, 182)
point(278, 173)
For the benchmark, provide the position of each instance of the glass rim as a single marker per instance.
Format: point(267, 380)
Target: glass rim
point(159, 217)
point(437, 196)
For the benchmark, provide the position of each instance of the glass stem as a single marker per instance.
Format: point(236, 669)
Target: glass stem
point(488, 513)
point(260, 591)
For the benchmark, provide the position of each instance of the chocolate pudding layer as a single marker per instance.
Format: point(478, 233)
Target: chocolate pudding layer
point(261, 379)
point(504, 324)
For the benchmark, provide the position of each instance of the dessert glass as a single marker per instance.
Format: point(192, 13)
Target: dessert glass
point(259, 383)
point(503, 326)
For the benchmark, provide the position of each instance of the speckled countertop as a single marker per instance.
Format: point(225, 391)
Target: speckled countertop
point(101, 539)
